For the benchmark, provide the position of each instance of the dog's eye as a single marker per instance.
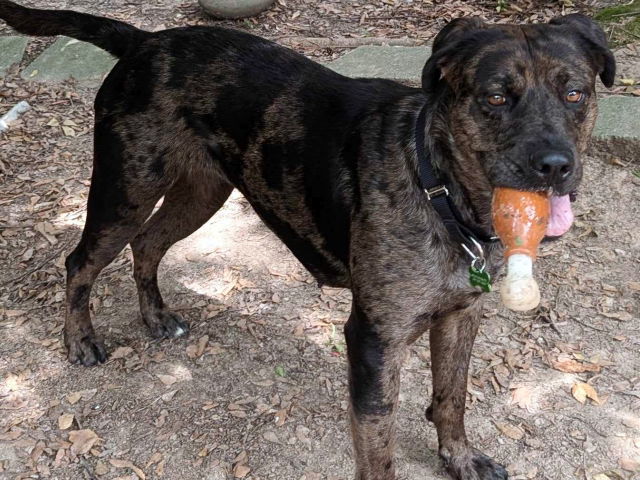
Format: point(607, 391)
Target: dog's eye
point(574, 96)
point(497, 100)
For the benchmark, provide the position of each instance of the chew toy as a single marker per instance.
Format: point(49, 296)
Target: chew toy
point(520, 220)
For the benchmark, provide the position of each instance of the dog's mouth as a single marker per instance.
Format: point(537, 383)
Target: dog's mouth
point(561, 216)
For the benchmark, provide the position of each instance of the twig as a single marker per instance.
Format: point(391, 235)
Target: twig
point(34, 269)
point(627, 14)
point(589, 326)
point(17, 225)
point(630, 33)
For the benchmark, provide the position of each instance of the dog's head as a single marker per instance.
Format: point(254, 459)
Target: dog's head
point(521, 99)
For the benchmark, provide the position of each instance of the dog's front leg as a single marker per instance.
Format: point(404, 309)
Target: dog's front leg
point(374, 379)
point(451, 339)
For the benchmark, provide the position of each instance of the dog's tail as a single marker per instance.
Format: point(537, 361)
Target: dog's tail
point(111, 35)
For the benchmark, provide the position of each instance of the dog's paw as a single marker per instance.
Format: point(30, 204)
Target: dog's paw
point(87, 350)
point(166, 324)
point(472, 466)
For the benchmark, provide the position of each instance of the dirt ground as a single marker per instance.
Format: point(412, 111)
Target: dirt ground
point(258, 389)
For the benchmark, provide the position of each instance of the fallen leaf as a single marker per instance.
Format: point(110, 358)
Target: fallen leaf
point(119, 463)
point(573, 366)
point(155, 458)
point(512, 431)
point(192, 350)
point(581, 391)
point(121, 352)
point(522, 397)
point(68, 131)
point(167, 379)
point(622, 316)
point(627, 82)
point(271, 437)
point(65, 420)
point(167, 397)
point(101, 468)
point(280, 417)
point(630, 464)
point(82, 441)
point(240, 471)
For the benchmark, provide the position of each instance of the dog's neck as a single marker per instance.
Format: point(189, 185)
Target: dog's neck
point(463, 177)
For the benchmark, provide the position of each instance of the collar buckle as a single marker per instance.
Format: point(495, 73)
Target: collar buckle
point(436, 191)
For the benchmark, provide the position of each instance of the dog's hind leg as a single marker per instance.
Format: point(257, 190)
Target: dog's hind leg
point(451, 339)
point(186, 207)
point(119, 203)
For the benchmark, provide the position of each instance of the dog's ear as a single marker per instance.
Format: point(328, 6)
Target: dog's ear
point(595, 41)
point(444, 48)
point(455, 30)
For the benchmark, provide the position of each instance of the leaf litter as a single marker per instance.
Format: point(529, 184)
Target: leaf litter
point(44, 174)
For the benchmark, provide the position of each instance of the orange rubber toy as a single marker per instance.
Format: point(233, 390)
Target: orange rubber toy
point(520, 220)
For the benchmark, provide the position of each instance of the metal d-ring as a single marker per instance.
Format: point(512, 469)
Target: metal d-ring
point(477, 261)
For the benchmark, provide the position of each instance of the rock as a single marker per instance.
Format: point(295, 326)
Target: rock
point(11, 50)
point(234, 8)
point(403, 64)
point(70, 58)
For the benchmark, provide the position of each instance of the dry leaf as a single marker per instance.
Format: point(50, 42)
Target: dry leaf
point(630, 464)
point(240, 471)
point(280, 417)
point(512, 431)
point(622, 316)
point(155, 458)
point(627, 82)
point(121, 352)
point(192, 351)
point(581, 391)
point(522, 397)
point(101, 468)
point(196, 350)
point(167, 379)
point(118, 463)
point(65, 420)
point(573, 366)
point(82, 441)
point(68, 131)
point(167, 397)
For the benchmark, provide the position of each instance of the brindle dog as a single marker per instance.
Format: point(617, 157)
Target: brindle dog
point(329, 163)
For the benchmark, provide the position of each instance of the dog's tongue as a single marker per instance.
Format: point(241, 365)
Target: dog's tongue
point(561, 216)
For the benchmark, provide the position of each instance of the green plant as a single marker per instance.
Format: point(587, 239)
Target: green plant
point(336, 344)
point(622, 22)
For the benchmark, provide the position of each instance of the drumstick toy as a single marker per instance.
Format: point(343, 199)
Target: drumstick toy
point(520, 220)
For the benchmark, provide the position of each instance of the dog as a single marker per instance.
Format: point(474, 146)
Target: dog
point(373, 185)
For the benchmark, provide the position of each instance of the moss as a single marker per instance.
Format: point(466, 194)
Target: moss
point(622, 22)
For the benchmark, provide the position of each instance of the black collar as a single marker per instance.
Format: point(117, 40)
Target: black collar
point(438, 194)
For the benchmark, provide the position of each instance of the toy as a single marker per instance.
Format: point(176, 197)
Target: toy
point(520, 219)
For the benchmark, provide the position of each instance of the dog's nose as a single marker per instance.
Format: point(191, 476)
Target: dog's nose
point(552, 166)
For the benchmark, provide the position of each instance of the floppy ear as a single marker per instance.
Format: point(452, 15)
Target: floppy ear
point(444, 48)
point(596, 43)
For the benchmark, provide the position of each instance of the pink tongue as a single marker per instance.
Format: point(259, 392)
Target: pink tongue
point(561, 216)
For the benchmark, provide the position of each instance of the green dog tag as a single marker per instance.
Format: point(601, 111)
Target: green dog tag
point(478, 278)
